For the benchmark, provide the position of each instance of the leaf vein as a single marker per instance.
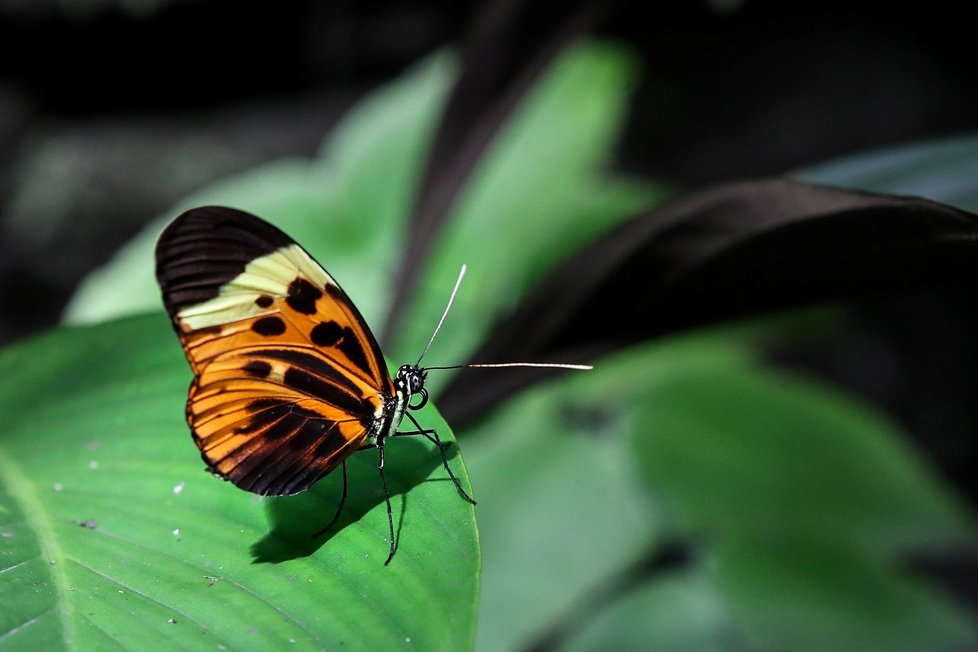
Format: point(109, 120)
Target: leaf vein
point(38, 518)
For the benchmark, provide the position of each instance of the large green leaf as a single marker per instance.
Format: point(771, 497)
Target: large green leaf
point(113, 536)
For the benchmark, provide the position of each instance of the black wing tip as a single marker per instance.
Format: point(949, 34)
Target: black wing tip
point(203, 248)
point(220, 222)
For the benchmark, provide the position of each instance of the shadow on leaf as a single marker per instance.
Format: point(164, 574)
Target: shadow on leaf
point(295, 519)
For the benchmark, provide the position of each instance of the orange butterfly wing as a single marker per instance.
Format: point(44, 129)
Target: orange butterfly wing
point(289, 379)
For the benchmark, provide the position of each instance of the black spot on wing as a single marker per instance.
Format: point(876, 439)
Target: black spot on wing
point(258, 369)
point(350, 346)
point(269, 326)
point(331, 334)
point(327, 333)
point(336, 293)
point(264, 301)
point(302, 296)
point(206, 247)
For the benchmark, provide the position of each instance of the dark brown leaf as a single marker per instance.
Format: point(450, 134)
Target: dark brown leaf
point(726, 252)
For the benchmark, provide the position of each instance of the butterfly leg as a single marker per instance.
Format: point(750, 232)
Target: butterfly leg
point(432, 435)
point(339, 508)
point(387, 498)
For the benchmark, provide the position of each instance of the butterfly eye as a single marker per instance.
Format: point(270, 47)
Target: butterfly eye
point(411, 378)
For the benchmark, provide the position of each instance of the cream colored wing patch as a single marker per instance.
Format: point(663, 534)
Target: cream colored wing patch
point(285, 273)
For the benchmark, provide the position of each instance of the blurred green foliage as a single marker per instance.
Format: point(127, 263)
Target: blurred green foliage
point(796, 505)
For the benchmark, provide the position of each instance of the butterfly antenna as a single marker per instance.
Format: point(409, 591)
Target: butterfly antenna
point(451, 299)
point(498, 365)
point(489, 365)
point(543, 365)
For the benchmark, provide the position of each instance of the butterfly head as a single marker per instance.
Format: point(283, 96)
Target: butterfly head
point(410, 380)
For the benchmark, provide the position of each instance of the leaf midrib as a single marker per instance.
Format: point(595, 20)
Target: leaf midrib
point(24, 494)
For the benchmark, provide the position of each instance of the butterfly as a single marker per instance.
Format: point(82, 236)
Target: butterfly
point(288, 381)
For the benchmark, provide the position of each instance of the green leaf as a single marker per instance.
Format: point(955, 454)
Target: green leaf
point(726, 448)
point(801, 504)
point(562, 505)
point(734, 449)
point(558, 511)
point(679, 611)
point(114, 536)
point(809, 595)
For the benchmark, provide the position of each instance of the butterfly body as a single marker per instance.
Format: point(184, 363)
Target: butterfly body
point(289, 380)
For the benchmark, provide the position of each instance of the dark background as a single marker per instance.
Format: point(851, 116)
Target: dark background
point(111, 111)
